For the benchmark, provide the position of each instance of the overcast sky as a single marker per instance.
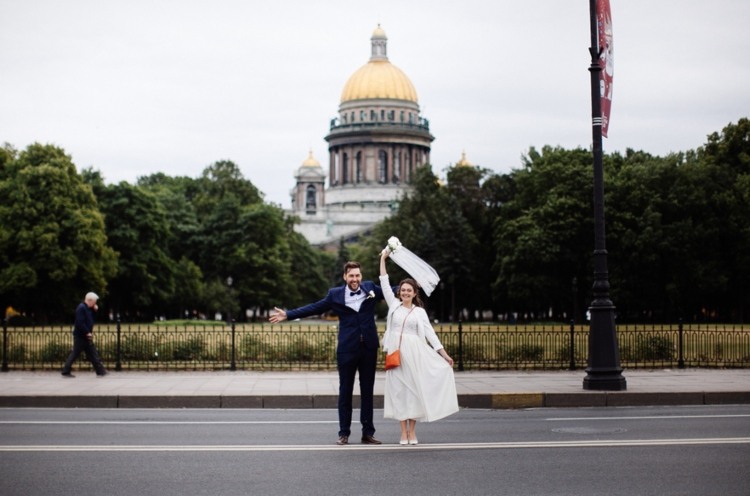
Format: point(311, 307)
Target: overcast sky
point(135, 87)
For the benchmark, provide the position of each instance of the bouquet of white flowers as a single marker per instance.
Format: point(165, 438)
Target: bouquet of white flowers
point(394, 243)
point(417, 268)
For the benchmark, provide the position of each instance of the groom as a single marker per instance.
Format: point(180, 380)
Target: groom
point(358, 344)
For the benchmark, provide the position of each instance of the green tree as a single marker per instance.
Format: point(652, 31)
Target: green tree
point(677, 226)
point(309, 270)
point(138, 231)
point(727, 156)
point(189, 289)
point(177, 198)
point(243, 238)
point(261, 259)
point(478, 195)
point(53, 246)
point(223, 180)
point(544, 233)
point(647, 239)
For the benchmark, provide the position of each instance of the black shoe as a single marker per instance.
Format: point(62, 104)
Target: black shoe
point(68, 375)
point(370, 440)
point(102, 374)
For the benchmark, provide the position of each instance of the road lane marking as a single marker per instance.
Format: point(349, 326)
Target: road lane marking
point(648, 417)
point(165, 422)
point(384, 447)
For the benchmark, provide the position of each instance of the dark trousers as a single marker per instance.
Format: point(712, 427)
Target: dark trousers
point(86, 346)
point(363, 361)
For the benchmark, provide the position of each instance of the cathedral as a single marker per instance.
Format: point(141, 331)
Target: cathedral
point(375, 144)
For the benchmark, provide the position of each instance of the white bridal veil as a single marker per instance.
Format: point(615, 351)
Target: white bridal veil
point(417, 268)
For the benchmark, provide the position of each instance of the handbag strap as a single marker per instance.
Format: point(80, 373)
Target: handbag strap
point(402, 327)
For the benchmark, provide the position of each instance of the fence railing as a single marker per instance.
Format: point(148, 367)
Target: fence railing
point(312, 346)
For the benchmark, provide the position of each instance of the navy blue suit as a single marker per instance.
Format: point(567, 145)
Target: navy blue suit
point(357, 350)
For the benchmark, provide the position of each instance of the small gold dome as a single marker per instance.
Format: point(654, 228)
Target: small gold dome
point(310, 161)
point(463, 162)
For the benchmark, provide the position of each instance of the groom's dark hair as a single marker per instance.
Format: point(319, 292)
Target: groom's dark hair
point(351, 265)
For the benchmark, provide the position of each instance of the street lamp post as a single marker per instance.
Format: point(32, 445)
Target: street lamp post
point(603, 371)
point(229, 295)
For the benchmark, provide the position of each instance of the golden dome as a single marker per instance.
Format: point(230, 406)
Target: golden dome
point(310, 161)
point(379, 78)
point(463, 162)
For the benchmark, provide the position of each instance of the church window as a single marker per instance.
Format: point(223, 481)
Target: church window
point(310, 199)
point(396, 167)
point(345, 169)
point(336, 170)
point(358, 166)
point(382, 167)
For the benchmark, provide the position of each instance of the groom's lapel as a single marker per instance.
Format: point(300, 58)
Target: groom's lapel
point(340, 295)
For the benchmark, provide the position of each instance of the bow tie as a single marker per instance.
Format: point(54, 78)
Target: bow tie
point(352, 293)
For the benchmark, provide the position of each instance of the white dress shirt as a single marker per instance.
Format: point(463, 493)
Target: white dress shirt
point(354, 301)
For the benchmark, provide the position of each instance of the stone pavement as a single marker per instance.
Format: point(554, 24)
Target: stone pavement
point(243, 389)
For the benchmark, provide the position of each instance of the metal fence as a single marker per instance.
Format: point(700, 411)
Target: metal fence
point(304, 346)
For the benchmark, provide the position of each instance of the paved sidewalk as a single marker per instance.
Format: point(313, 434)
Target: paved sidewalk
point(241, 389)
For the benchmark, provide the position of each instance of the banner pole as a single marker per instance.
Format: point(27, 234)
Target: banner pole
point(603, 371)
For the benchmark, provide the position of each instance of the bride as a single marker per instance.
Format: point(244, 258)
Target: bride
point(423, 386)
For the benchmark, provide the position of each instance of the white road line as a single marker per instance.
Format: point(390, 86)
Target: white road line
point(386, 447)
point(164, 422)
point(650, 417)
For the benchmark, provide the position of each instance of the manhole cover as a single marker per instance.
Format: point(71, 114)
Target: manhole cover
point(589, 430)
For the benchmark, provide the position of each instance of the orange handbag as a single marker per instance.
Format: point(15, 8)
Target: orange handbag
point(393, 360)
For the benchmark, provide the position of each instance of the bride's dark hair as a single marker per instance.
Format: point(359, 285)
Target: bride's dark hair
point(411, 282)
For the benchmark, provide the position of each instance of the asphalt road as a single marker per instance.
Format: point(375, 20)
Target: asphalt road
point(693, 450)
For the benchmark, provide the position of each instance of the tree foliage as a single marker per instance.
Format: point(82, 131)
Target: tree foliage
point(53, 246)
point(515, 245)
point(543, 231)
point(137, 230)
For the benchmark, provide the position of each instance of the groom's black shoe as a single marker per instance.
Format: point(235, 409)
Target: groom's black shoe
point(343, 440)
point(370, 440)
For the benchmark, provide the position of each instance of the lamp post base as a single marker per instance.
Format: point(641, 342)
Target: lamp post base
point(609, 380)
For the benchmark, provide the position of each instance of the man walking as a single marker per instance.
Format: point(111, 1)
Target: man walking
point(358, 344)
point(83, 337)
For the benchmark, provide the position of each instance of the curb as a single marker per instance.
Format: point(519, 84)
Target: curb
point(497, 401)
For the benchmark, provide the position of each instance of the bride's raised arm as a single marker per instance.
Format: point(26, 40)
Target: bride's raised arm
point(385, 283)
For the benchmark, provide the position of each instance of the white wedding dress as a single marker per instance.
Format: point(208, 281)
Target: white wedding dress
point(423, 386)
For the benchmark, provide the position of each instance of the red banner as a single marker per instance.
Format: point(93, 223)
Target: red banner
point(606, 60)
